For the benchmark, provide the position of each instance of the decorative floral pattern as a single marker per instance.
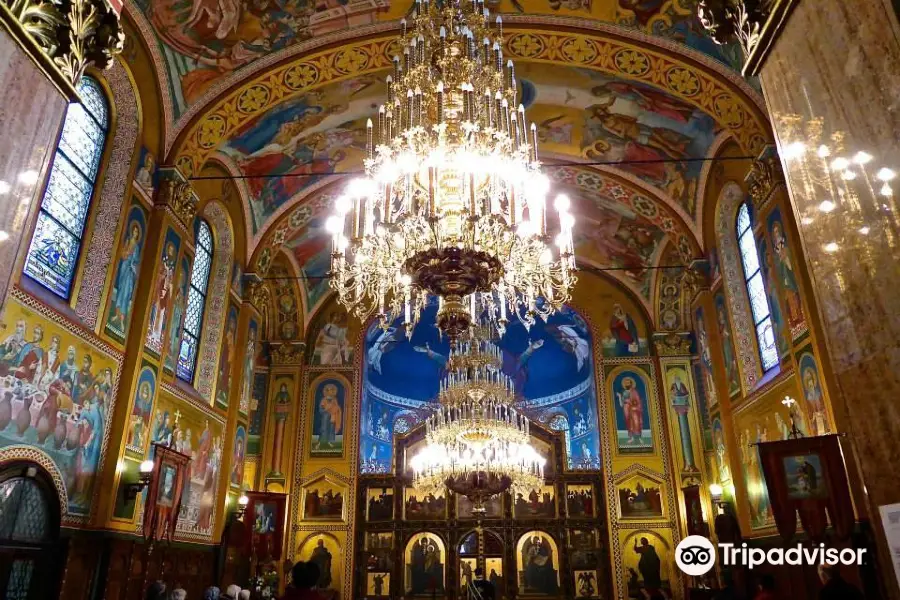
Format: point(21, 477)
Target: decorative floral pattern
point(253, 99)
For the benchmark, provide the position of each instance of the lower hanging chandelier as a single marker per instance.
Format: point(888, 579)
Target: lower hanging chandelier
point(478, 443)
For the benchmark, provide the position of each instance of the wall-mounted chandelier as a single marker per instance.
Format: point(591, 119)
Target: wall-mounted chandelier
point(453, 204)
point(477, 443)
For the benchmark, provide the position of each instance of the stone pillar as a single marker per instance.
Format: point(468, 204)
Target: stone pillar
point(285, 372)
point(173, 214)
point(830, 71)
point(227, 497)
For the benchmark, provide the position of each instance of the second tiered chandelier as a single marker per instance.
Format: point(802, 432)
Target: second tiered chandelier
point(453, 204)
point(477, 443)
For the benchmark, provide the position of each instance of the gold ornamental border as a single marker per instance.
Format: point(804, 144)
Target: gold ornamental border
point(694, 84)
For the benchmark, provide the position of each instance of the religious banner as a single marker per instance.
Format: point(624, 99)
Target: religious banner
point(807, 476)
point(265, 513)
point(164, 492)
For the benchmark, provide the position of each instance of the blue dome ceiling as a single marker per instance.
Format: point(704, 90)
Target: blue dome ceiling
point(551, 358)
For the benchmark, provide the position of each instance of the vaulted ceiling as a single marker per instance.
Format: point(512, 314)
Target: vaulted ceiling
point(629, 97)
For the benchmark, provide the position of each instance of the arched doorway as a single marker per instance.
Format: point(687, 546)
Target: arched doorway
point(482, 549)
point(29, 532)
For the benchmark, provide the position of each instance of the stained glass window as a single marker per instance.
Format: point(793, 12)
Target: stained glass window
point(56, 243)
point(196, 303)
point(756, 290)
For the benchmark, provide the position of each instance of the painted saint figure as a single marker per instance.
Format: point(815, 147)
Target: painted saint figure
point(649, 565)
point(785, 269)
point(331, 345)
point(330, 417)
point(815, 401)
point(321, 557)
point(126, 277)
point(630, 401)
point(540, 576)
point(162, 298)
point(731, 366)
point(624, 331)
point(223, 381)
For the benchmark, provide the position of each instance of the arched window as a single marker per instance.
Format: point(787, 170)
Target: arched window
point(193, 317)
point(756, 289)
point(56, 243)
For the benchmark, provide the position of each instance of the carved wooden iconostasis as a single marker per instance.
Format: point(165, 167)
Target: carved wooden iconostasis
point(552, 543)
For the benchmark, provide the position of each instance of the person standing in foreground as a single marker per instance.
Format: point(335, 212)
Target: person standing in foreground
point(480, 589)
point(304, 576)
point(835, 587)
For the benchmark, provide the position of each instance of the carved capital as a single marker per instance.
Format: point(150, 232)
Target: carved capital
point(672, 344)
point(754, 24)
point(176, 193)
point(287, 353)
point(65, 36)
point(764, 177)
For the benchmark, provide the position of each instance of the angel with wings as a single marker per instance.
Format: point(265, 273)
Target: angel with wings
point(572, 340)
point(381, 341)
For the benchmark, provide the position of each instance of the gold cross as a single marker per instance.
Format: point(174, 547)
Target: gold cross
point(177, 416)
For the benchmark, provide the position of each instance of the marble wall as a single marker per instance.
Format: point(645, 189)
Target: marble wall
point(831, 83)
point(31, 110)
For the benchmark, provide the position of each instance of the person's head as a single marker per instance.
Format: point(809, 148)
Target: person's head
point(244, 595)
point(178, 594)
point(211, 593)
point(304, 575)
point(829, 572)
point(766, 582)
point(156, 591)
point(479, 573)
point(232, 591)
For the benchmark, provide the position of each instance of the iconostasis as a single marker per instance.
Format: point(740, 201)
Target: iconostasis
point(619, 424)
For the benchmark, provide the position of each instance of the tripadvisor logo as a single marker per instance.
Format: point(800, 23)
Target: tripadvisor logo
point(695, 555)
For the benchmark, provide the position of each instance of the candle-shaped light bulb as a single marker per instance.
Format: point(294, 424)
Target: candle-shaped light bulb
point(498, 57)
point(511, 74)
point(418, 106)
point(440, 101)
point(370, 149)
point(403, 26)
point(534, 146)
point(409, 109)
point(397, 67)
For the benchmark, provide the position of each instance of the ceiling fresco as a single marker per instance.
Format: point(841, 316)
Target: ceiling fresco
point(621, 229)
point(202, 41)
point(301, 140)
point(601, 118)
point(580, 113)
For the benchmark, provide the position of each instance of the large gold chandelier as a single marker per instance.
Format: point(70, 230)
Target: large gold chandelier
point(478, 444)
point(453, 204)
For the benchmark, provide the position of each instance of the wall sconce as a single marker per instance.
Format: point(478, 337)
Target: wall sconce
point(146, 473)
point(715, 493)
point(243, 500)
